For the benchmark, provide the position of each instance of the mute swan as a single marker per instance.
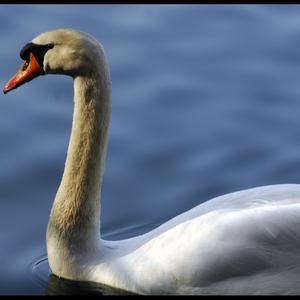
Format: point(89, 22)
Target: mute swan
point(246, 242)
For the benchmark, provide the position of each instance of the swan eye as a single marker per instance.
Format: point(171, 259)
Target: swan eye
point(50, 46)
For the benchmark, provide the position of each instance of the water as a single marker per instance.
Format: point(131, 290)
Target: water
point(206, 101)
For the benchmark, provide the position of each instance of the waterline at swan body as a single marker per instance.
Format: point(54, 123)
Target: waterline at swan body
point(245, 242)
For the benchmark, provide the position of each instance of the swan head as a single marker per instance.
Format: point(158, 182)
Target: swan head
point(62, 51)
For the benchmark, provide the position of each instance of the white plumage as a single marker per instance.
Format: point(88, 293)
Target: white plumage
point(245, 242)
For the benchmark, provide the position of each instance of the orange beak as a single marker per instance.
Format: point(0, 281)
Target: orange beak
point(28, 71)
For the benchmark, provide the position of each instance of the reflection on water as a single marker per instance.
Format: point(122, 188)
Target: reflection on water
point(39, 271)
point(57, 286)
point(206, 101)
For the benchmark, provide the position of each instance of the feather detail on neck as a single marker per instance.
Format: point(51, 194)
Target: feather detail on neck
point(76, 207)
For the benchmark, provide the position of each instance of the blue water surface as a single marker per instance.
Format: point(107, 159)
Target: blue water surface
point(206, 101)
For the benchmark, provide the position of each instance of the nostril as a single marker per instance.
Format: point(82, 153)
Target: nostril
point(25, 65)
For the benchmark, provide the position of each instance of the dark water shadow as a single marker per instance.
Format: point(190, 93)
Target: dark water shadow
point(39, 272)
point(60, 286)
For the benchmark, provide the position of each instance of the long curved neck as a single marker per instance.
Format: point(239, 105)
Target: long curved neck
point(76, 209)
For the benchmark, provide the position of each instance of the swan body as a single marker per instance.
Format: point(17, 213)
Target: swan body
point(246, 242)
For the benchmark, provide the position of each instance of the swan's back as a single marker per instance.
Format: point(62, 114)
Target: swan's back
point(243, 242)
